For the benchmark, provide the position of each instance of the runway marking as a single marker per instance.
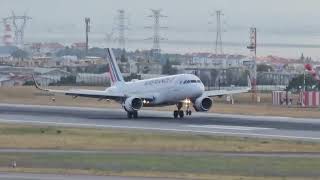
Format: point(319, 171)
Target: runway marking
point(159, 129)
point(241, 128)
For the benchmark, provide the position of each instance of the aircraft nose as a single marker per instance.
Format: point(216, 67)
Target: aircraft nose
point(199, 89)
point(201, 86)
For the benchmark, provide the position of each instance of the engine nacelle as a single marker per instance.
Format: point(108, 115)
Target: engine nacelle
point(133, 104)
point(202, 104)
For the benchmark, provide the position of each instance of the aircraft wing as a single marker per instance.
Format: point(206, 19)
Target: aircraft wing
point(225, 92)
point(91, 93)
point(228, 91)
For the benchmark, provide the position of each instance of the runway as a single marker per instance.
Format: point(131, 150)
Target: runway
point(198, 123)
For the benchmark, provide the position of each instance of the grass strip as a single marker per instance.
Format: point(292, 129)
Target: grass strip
point(49, 137)
point(167, 164)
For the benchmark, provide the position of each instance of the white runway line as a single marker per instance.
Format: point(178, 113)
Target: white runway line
point(241, 128)
point(159, 129)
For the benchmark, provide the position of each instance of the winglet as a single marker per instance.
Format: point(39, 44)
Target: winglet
point(37, 85)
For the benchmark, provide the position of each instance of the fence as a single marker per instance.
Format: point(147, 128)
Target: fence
point(309, 99)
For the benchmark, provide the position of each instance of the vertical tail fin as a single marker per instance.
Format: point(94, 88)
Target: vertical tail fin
point(114, 71)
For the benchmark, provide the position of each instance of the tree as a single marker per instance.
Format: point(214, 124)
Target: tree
point(48, 54)
point(123, 58)
point(264, 68)
point(168, 69)
point(132, 76)
point(20, 54)
point(102, 68)
point(28, 83)
point(71, 52)
point(243, 81)
point(69, 80)
point(98, 52)
point(298, 83)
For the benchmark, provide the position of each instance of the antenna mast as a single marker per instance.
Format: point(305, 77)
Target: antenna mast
point(87, 22)
point(253, 71)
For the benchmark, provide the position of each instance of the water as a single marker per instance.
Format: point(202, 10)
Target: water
point(283, 45)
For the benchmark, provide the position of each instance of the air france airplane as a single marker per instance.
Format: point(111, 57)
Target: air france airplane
point(179, 90)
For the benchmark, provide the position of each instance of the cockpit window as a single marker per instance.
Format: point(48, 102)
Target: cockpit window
point(191, 81)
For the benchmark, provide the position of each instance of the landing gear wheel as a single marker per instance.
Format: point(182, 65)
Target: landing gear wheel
point(181, 114)
point(135, 114)
point(175, 114)
point(188, 112)
point(129, 114)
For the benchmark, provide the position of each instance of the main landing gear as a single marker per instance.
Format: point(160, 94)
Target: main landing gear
point(179, 112)
point(133, 114)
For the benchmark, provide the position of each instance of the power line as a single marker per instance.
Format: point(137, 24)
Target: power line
point(156, 15)
point(19, 29)
point(121, 27)
point(218, 42)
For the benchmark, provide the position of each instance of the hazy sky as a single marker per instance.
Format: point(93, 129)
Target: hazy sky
point(270, 14)
point(276, 20)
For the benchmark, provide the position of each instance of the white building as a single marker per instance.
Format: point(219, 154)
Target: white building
point(213, 63)
point(51, 73)
point(93, 79)
point(15, 76)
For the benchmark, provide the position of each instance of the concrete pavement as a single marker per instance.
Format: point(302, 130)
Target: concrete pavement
point(198, 123)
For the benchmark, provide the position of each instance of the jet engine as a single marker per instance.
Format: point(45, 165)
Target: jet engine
point(202, 104)
point(133, 104)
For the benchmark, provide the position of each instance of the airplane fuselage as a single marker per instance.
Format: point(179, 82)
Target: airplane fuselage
point(165, 90)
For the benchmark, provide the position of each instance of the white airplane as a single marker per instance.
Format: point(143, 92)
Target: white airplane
point(179, 90)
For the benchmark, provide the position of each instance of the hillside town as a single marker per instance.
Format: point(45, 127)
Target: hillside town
point(54, 63)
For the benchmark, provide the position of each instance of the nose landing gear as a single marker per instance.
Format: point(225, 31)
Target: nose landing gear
point(133, 114)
